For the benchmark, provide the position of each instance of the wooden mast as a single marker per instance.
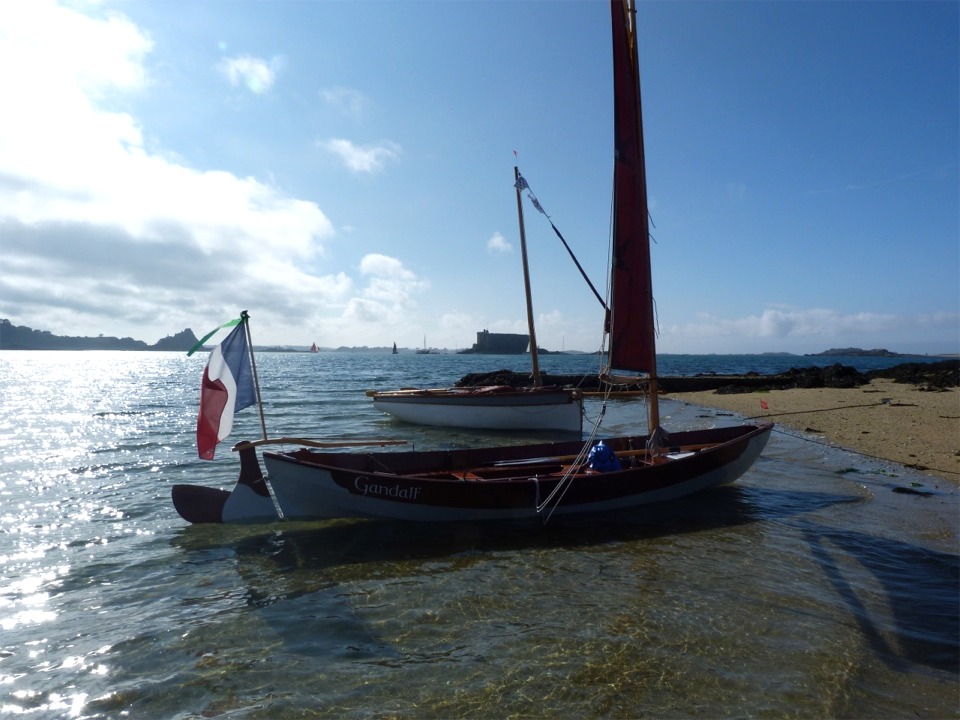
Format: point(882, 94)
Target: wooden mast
point(537, 381)
point(654, 402)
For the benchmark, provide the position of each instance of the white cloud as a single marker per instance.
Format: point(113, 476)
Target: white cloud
point(459, 329)
point(498, 244)
point(384, 266)
point(50, 131)
point(384, 309)
point(85, 204)
point(808, 330)
point(256, 74)
point(76, 54)
point(344, 100)
point(362, 158)
point(389, 281)
point(782, 323)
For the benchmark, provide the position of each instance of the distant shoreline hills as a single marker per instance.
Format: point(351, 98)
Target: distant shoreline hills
point(18, 337)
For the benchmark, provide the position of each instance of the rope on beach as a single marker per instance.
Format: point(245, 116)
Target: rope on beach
point(918, 468)
point(802, 412)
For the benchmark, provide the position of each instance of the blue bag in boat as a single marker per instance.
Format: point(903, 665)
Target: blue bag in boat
point(602, 458)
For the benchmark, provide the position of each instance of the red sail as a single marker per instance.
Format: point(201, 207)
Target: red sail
point(631, 315)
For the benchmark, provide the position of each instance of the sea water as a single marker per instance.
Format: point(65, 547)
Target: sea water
point(808, 589)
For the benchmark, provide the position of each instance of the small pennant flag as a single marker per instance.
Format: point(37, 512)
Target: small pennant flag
point(521, 184)
point(763, 405)
point(226, 388)
point(536, 203)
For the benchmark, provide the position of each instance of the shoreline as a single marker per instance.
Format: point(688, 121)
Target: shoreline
point(897, 422)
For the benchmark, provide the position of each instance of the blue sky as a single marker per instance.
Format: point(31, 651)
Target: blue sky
point(344, 170)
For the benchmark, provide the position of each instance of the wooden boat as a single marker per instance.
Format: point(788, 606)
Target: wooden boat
point(521, 482)
point(535, 407)
point(491, 407)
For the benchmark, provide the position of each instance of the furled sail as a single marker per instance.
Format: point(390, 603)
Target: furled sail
point(632, 344)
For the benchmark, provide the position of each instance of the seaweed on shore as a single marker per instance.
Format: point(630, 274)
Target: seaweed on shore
point(936, 375)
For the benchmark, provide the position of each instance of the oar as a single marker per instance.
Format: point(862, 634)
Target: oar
point(314, 443)
point(410, 391)
point(619, 454)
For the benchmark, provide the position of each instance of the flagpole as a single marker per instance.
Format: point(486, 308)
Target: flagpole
point(245, 317)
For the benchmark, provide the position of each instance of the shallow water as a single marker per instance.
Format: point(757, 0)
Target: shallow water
point(809, 589)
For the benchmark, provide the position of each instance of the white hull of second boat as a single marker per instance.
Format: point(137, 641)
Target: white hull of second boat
point(560, 410)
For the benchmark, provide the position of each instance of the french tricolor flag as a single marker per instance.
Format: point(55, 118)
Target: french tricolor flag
point(226, 388)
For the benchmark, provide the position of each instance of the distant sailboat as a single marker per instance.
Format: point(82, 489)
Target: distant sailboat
point(424, 350)
point(314, 348)
point(394, 348)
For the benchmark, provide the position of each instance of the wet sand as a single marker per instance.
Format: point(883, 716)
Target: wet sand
point(893, 421)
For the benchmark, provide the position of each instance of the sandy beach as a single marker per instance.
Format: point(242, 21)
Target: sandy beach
point(893, 421)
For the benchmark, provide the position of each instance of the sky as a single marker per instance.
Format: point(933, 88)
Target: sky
point(343, 170)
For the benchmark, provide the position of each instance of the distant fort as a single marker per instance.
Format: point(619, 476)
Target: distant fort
point(489, 343)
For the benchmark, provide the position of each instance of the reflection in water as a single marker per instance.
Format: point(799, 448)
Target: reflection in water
point(316, 546)
point(919, 620)
point(715, 598)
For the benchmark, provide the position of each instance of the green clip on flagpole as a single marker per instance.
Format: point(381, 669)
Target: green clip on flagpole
point(231, 323)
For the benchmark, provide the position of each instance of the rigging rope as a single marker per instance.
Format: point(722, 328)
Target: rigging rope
point(522, 184)
point(567, 480)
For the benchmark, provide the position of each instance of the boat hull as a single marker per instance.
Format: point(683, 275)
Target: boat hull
point(506, 483)
point(486, 408)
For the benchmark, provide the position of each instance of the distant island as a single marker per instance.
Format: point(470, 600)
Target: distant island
point(855, 352)
point(17, 337)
